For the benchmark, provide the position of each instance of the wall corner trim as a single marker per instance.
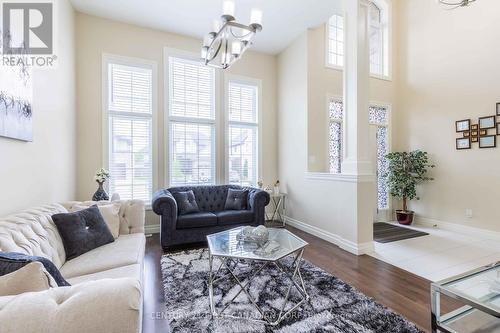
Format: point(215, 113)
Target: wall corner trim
point(459, 228)
point(356, 249)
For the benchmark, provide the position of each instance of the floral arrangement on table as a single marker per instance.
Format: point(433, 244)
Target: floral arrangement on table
point(100, 177)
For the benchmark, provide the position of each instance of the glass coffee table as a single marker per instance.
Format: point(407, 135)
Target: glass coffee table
point(479, 290)
point(225, 247)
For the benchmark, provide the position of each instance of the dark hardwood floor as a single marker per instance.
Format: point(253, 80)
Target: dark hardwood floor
point(397, 289)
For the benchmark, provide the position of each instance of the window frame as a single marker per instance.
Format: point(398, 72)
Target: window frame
point(386, 211)
point(338, 98)
point(387, 40)
point(168, 119)
point(176, 53)
point(327, 42)
point(258, 125)
point(108, 59)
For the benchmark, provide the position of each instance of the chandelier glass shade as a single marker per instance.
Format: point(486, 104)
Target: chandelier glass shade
point(456, 3)
point(229, 39)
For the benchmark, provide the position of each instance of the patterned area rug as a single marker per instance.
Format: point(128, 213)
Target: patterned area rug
point(334, 306)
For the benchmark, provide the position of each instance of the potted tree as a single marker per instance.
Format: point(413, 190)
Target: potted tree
point(406, 170)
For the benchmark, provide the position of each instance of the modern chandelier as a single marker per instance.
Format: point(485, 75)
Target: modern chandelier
point(456, 3)
point(229, 39)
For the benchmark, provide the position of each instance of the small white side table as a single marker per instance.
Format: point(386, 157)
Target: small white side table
point(278, 209)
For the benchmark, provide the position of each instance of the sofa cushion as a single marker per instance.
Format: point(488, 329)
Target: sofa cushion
point(111, 305)
point(82, 231)
point(131, 213)
point(196, 220)
point(12, 261)
point(228, 217)
point(30, 278)
point(125, 250)
point(33, 232)
point(129, 271)
point(236, 199)
point(109, 213)
point(186, 202)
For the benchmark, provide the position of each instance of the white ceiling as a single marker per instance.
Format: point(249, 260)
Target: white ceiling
point(283, 20)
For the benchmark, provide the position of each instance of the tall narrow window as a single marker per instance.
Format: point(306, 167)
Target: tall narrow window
point(379, 118)
point(335, 37)
point(376, 32)
point(243, 133)
point(191, 122)
point(130, 112)
point(336, 116)
point(378, 39)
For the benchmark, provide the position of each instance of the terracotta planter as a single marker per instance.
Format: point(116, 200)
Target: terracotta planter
point(404, 217)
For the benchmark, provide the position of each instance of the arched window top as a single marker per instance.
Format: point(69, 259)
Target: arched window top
point(375, 13)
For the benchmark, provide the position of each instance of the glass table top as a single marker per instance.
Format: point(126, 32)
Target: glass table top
point(226, 244)
point(480, 286)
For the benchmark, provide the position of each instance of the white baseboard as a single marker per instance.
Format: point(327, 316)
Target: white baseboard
point(460, 228)
point(152, 229)
point(357, 249)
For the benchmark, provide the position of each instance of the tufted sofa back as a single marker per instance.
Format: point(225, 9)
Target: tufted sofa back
point(131, 213)
point(209, 198)
point(33, 232)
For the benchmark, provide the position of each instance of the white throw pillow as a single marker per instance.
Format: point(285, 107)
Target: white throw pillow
point(110, 213)
point(30, 278)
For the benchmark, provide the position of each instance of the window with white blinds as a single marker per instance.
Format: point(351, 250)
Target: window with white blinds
point(130, 112)
point(243, 133)
point(191, 122)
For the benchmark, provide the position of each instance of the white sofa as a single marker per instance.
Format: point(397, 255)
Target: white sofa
point(106, 283)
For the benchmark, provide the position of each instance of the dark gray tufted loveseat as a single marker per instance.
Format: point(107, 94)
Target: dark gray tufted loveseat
point(192, 228)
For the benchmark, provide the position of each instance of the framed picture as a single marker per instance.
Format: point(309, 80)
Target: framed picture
point(483, 132)
point(474, 139)
point(489, 141)
point(487, 122)
point(498, 109)
point(474, 127)
point(474, 133)
point(498, 128)
point(462, 125)
point(463, 143)
point(466, 134)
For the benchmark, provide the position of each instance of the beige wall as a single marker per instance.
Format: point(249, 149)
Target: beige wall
point(324, 206)
point(449, 69)
point(96, 36)
point(43, 171)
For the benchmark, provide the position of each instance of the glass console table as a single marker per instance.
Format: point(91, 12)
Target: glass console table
point(479, 290)
point(276, 218)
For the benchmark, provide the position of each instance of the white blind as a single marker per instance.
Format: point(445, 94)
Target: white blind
point(242, 102)
point(192, 123)
point(191, 89)
point(130, 89)
point(130, 131)
point(243, 133)
point(336, 40)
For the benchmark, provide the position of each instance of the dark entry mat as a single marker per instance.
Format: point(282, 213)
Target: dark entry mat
point(386, 233)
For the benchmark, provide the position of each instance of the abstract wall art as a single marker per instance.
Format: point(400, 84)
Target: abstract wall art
point(16, 97)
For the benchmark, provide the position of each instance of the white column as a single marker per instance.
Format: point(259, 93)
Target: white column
point(357, 159)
